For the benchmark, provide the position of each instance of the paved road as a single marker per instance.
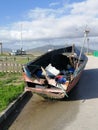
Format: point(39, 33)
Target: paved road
point(79, 112)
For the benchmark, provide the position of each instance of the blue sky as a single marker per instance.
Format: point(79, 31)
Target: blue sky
point(47, 19)
point(14, 10)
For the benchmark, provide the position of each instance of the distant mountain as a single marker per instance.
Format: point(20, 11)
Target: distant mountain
point(46, 48)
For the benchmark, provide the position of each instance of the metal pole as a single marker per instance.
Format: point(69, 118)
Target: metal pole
point(87, 39)
point(87, 45)
point(0, 48)
point(21, 40)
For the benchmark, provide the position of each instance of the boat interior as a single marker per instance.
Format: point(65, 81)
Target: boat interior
point(63, 63)
point(55, 70)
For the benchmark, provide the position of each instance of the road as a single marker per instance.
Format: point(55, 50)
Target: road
point(78, 112)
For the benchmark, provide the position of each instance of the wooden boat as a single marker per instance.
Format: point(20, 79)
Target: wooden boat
point(55, 73)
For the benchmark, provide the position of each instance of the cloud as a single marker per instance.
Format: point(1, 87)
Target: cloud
point(54, 4)
point(88, 7)
point(68, 21)
point(40, 13)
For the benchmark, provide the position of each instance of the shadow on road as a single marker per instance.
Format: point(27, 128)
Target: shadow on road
point(87, 88)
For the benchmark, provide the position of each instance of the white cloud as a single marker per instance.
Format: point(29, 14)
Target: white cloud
point(54, 4)
point(67, 21)
point(88, 7)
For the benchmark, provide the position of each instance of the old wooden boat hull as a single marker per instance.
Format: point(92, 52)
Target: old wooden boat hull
point(55, 73)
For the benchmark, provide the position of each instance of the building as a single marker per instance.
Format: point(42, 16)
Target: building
point(18, 52)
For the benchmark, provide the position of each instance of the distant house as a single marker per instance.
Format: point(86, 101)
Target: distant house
point(18, 52)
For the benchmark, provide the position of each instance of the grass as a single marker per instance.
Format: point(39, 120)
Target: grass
point(18, 59)
point(11, 86)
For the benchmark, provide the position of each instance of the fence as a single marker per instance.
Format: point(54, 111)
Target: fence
point(10, 67)
point(14, 63)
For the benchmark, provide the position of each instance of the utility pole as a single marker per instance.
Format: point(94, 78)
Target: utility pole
point(21, 39)
point(86, 32)
point(1, 48)
point(87, 45)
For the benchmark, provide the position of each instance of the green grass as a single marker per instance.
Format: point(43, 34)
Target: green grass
point(17, 59)
point(11, 86)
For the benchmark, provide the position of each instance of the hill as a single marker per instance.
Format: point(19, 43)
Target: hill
point(46, 48)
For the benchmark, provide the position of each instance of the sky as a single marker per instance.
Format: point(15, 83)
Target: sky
point(33, 23)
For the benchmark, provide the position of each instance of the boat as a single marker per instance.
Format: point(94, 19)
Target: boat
point(55, 73)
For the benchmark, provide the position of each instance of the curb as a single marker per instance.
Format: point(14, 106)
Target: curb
point(11, 107)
